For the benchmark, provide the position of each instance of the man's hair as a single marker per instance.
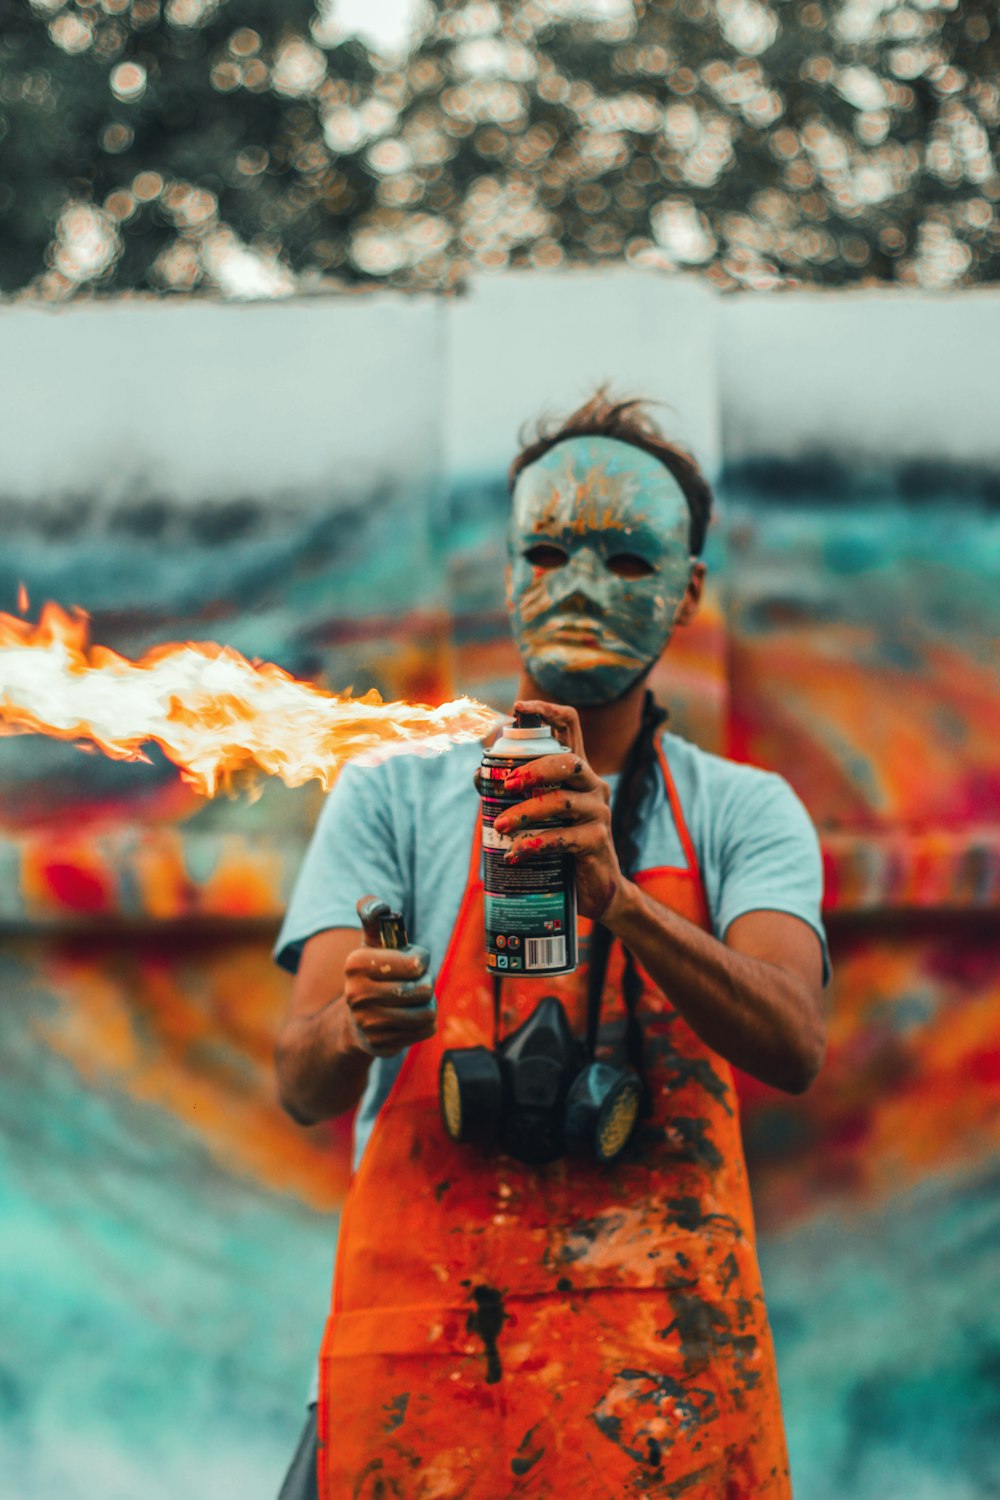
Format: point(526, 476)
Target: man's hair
point(629, 422)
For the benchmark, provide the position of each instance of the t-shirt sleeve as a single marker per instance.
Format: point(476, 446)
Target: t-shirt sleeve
point(769, 858)
point(353, 853)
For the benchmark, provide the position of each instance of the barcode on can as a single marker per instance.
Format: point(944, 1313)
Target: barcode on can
point(544, 953)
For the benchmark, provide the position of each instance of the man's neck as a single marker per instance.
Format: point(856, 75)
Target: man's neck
point(608, 729)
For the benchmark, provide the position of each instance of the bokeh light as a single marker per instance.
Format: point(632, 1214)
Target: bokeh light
point(761, 144)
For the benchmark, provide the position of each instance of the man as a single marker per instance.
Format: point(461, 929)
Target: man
point(576, 1328)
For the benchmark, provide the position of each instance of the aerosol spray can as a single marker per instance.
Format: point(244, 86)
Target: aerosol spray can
point(530, 907)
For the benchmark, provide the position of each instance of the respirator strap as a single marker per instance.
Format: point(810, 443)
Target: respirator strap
point(635, 1046)
point(597, 968)
point(496, 1011)
point(622, 807)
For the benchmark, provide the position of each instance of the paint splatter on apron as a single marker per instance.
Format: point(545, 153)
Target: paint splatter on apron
point(566, 1330)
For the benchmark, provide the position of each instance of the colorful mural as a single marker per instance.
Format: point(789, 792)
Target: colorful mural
point(168, 1236)
point(862, 666)
point(165, 1231)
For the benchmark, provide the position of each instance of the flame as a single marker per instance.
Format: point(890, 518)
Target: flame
point(211, 711)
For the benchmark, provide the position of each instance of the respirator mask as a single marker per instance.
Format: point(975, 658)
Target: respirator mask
point(540, 1093)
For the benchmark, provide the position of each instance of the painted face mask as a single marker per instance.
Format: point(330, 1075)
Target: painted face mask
point(600, 561)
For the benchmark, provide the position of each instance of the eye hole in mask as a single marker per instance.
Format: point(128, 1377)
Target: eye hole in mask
point(545, 556)
point(628, 565)
point(623, 564)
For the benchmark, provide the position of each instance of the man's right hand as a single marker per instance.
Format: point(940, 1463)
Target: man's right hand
point(390, 998)
point(350, 1003)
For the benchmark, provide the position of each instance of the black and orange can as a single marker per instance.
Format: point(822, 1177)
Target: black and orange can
point(530, 906)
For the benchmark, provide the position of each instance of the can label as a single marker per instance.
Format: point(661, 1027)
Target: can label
point(530, 907)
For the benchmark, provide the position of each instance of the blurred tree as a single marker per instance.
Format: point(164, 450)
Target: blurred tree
point(246, 147)
point(141, 146)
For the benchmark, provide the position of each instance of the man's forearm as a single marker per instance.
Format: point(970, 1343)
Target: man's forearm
point(758, 1016)
point(321, 1071)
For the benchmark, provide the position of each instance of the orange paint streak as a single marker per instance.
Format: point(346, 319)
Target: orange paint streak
point(909, 1087)
point(167, 891)
point(834, 702)
point(239, 889)
point(192, 1036)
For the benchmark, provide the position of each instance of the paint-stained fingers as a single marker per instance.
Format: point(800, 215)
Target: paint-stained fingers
point(390, 1047)
point(409, 1021)
point(563, 720)
point(388, 963)
point(409, 996)
point(555, 808)
point(583, 838)
point(553, 770)
point(382, 1029)
point(387, 1031)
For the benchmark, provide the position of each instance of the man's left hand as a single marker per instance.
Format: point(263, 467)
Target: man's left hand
point(564, 790)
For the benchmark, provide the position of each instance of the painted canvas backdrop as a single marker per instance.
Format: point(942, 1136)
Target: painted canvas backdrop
point(321, 484)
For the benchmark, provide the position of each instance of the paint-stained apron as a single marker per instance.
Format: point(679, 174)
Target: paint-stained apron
point(571, 1330)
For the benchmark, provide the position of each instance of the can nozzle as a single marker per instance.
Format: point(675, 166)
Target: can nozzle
point(524, 720)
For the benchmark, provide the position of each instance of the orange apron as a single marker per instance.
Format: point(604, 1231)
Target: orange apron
point(570, 1330)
